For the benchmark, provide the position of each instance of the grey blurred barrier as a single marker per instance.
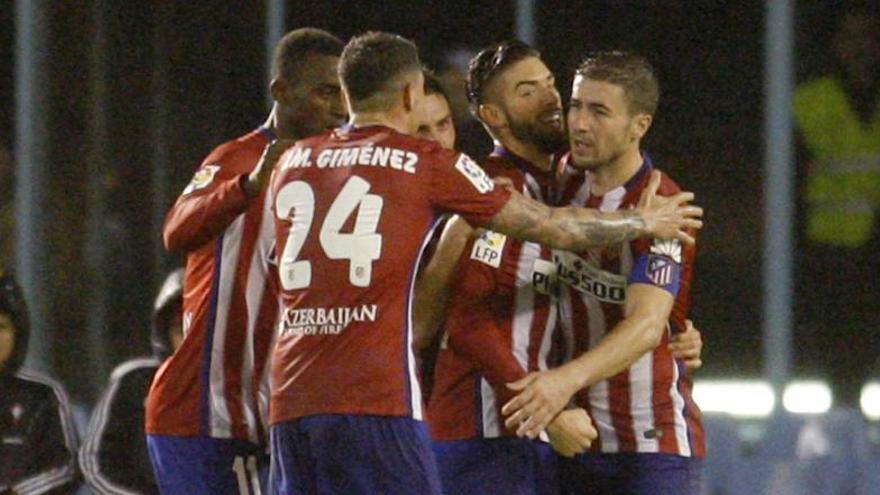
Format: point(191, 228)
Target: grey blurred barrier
point(837, 453)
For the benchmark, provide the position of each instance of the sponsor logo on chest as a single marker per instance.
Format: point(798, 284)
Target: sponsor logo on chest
point(584, 276)
point(325, 321)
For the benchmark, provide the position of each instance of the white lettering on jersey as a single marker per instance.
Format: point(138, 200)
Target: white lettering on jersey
point(364, 156)
point(298, 158)
point(474, 173)
point(488, 248)
point(583, 276)
point(325, 321)
point(668, 247)
point(202, 178)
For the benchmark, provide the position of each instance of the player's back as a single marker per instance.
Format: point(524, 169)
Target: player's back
point(353, 210)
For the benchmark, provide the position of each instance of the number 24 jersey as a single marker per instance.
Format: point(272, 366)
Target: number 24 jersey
point(353, 209)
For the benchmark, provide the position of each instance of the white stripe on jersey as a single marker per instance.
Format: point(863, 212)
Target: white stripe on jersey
point(681, 430)
point(600, 398)
point(547, 340)
point(525, 303)
point(489, 402)
point(524, 309)
point(220, 420)
point(641, 388)
point(256, 287)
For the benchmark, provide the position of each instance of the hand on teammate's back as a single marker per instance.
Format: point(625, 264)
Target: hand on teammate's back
point(258, 179)
point(571, 432)
point(668, 217)
point(688, 346)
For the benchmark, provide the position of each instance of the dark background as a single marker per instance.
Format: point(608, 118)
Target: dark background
point(142, 91)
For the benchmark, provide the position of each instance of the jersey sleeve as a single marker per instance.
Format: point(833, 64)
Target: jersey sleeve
point(210, 202)
point(459, 185)
point(472, 327)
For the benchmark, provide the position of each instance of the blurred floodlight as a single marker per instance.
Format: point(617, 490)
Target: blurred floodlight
point(807, 397)
point(870, 400)
point(741, 398)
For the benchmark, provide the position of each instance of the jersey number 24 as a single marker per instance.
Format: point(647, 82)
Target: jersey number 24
point(296, 204)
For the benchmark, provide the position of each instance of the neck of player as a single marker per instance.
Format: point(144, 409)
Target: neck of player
point(390, 119)
point(615, 173)
point(530, 152)
point(279, 128)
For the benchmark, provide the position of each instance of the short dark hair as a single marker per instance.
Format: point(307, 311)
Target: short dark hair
point(489, 63)
point(432, 84)
point(372, 60)
point(293, 50)
point(628, 70)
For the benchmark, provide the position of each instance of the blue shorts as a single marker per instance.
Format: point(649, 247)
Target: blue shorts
point(494, 466)
point(209, 466)
point(630, 474)
point(350, 455)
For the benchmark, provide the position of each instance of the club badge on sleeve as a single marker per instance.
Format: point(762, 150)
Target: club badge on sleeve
point(661, 270)
point(202, 178)
point(476, 175)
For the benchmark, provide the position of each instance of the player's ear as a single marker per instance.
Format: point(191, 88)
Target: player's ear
point(278, 87)
point(640, 125)
point(491, 115)
point(408, 97)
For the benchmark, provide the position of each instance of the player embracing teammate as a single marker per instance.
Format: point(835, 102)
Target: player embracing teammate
point(350, 210)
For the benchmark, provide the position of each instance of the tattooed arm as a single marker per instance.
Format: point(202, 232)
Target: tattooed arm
point(577, 229)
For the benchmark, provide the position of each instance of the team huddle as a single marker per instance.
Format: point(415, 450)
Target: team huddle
point(366, 311)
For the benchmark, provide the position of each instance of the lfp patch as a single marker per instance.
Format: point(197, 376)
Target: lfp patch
point(202, 178)
point(488, 248)
point(474, 173)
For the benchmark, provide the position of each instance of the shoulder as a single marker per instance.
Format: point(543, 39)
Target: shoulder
point(668, 186)
point(42, 384)
point(132, 367)
point(316, 140)
point(244, 146)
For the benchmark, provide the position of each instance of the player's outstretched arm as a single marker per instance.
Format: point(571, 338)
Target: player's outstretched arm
point(542, 395)
point(215, 198)
point(578, 229)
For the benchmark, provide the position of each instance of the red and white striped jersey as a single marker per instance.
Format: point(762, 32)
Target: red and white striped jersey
point(648, 407)
point(501, 320)
point(354, 210)
point(215, 384)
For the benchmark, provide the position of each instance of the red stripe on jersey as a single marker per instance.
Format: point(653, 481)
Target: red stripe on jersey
point(664, 417)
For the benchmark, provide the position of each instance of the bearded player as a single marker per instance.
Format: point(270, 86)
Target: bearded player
point(620, 305)
point(353, 207)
